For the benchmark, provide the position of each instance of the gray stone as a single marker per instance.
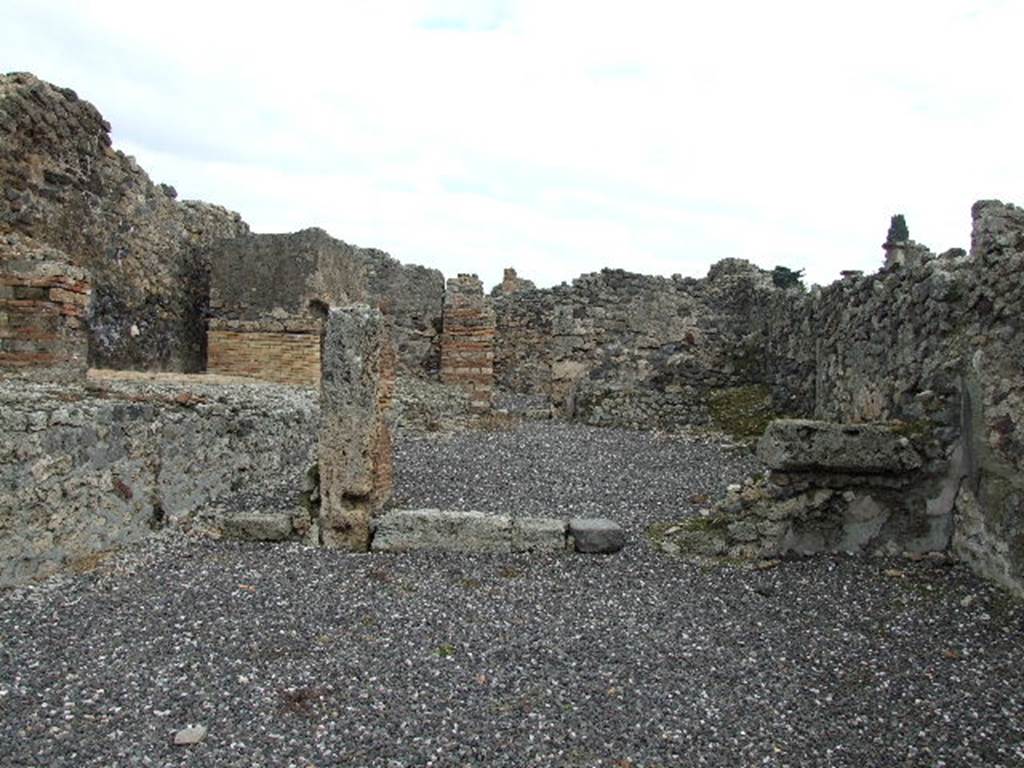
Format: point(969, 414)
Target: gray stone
point(188, 736)
point(354, 447)
point(803, 445)
point(596, 535)
point(534, 534)
point(445, 531)
point(257, 526)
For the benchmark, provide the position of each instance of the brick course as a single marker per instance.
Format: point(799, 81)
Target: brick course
point(467, 340)
point(43, 306)
point(282, 357)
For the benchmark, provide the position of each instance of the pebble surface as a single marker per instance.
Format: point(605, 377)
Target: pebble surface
point(292, 656)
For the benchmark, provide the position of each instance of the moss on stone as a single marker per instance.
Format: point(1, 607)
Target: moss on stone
point(742, 412)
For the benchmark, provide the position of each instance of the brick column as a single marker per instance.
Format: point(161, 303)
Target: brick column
point(467, 340)
point(356, 386)
point(43, 309)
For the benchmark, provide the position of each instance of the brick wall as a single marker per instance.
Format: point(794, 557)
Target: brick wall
point(467, 340)
point(43, 308)
point(285, 356)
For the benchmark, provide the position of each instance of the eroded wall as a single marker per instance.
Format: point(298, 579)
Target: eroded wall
point(65, 186)
point(617, 348)
point(84, 469)
point(935, 342)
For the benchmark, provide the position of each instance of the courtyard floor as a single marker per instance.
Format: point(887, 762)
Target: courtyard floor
point(293, 656)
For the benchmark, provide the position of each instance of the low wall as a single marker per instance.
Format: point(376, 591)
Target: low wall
point(84, 469)
point(268, 352)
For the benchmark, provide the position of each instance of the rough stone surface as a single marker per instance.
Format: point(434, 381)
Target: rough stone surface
point(538, 534)
point(935, 342)
point(354, 445)
point(512, 283)
point(442, 531)
point(64, 186)
point(85, 469)
point(596, 535)
point(804, 445)
point(256, 526)
point(621, 349)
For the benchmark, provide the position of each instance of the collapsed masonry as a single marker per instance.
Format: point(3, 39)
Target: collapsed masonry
point(930, 341)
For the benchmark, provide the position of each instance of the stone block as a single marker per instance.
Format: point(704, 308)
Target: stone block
point(596, 535)
point(443, 531)
point(802, 445)
point(259, 527)
point(354, 449)
point(536, 534)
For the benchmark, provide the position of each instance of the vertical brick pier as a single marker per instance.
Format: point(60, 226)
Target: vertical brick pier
point(467, 340)
point(43, 310)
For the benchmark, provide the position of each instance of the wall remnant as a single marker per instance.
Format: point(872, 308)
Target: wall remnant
point(44, 306)
point(66, 187)
point(854, 488)
point(354, 444)
point(467, 341)
point(282, 351)
point(86, 468)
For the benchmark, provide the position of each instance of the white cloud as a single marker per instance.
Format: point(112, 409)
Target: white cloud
point(559, 137)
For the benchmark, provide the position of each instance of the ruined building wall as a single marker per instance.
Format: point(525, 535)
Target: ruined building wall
point(620, 348)
point(84, 469)
point(64, 186)
point(410, 297)
point(936, 342)
point(269, 293)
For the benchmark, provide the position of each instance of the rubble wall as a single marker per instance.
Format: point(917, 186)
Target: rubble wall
point(617, 348)
point(84, 469)
point(64, 186)
point(935, 342)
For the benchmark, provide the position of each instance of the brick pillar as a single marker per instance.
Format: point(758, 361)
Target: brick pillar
point(43, 311)
point(356, 386)
point(467, 340)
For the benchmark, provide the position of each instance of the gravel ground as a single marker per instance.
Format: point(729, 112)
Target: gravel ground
point(292, 656)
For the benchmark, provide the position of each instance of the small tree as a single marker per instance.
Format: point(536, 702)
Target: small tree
point(784, 277)
point(898, 232)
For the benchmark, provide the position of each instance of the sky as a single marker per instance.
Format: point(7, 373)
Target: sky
point(560, 136)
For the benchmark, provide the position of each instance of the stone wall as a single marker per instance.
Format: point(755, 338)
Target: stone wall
point(935, 342)
point(467, 341)
point(410, 297)
point(616, 348)
point(84, 469)
point(290, 280)
point(44, 303)
point(65, 187)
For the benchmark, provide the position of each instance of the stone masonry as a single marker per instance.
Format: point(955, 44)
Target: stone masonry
point(467, 343)
point(354, 438)
point(63, 185)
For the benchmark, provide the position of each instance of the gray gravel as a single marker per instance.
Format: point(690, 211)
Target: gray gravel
point(291, 656)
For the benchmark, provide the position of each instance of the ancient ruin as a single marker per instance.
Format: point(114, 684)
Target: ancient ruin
point(902, 390)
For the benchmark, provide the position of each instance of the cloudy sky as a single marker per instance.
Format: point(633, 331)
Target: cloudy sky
point(560, 136)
